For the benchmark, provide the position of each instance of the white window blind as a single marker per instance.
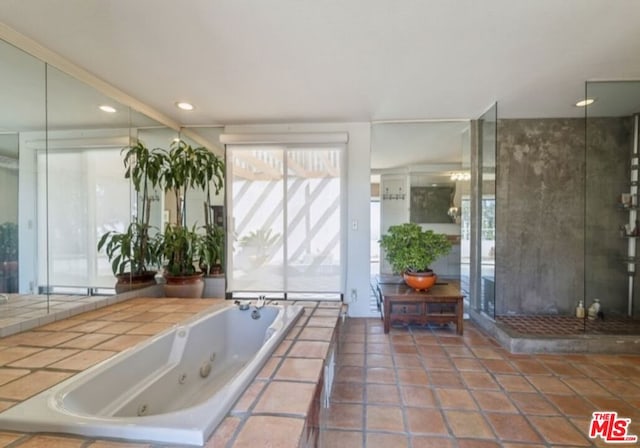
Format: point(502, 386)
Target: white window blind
point(87, 196)
point(285, 218)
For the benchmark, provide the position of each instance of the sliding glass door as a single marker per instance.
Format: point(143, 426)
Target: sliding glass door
point(285, 217)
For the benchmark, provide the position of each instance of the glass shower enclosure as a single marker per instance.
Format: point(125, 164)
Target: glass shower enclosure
point(612, 219)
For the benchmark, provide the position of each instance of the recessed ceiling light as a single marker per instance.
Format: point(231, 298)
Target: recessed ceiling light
point(585, 102)
point(108, 109)
point(184, 106)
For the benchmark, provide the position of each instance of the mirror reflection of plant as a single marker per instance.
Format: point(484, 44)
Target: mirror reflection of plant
point(212, 249)
point(8, 241)
point(410, 248)
point(126, 251)
point(134, 250)
point(143, 168)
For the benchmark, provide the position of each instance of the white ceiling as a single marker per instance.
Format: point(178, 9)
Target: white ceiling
point(245, 61)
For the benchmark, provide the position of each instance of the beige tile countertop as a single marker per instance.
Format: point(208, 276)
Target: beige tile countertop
point(279, 409)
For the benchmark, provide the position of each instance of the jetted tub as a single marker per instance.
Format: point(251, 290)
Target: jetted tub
point(174, 388)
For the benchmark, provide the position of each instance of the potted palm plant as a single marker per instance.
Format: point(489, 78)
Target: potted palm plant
point(134, 253)
point(411, 250)
point(184, 168)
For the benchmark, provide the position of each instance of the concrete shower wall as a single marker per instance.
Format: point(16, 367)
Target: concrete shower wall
point(541, 214)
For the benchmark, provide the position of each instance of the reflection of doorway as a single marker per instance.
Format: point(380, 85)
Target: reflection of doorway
point(375, 237)
point(465, 244)
point(410, 162)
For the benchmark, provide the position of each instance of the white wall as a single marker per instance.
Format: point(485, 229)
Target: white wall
point(356, 266)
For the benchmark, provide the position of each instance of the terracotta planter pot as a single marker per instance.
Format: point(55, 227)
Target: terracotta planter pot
point(127, 282)
point(184, 286)
point(420, 281)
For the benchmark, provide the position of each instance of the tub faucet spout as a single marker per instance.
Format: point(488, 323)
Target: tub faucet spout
point(260, 303)
point(243, 305)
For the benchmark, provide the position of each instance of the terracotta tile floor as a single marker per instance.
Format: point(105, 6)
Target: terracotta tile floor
point(420, 387)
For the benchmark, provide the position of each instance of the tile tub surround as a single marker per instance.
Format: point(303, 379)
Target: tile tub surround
point(434, 389)
point(35, 360)
point(23, 312)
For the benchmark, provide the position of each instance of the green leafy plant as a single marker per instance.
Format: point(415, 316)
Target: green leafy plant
point(185, 167)
point(135, 251)
point(126, 251)
point(410, 248)
point(8, 241)
point(180, 247)
point(212, 248)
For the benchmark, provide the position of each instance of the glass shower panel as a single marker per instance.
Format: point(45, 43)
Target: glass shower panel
point(612, 219)
point(487, 221)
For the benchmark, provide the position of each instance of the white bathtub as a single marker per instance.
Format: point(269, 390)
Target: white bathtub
point(174, 388)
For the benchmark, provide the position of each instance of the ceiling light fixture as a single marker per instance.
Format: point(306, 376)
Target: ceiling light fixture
point(184, 106)
point(108, 109)
point(585, 102)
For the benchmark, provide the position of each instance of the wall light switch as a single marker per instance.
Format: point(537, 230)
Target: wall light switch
point(354, 224)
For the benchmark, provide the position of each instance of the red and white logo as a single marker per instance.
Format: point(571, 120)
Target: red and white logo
point(610, 428)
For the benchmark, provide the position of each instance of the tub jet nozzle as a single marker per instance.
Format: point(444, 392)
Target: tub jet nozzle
point(142, 409)
point(205, 369)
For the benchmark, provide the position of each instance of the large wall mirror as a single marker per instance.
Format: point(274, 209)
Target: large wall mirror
point(23, 92)
point(421, 173)
point(62, 185)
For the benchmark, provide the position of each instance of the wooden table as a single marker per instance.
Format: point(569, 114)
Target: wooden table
point(400, 303)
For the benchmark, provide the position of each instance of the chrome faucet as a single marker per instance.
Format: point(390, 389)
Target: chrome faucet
point(261, 302)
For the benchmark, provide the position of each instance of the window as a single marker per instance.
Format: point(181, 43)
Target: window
point(285, 209)
point(86, 194)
